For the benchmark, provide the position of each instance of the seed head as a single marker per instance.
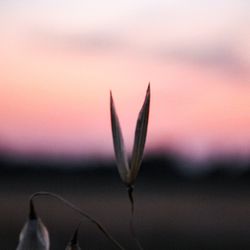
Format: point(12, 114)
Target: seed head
point(129, 172)
point(73, 244)
point(34, 235)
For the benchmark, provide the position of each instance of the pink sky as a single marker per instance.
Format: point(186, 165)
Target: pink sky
point(58, 64)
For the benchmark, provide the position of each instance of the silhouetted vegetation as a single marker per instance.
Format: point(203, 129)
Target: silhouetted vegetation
point(156, 167)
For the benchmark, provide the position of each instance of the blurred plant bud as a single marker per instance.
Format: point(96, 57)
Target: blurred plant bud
point(34, 235)
point(73, 244)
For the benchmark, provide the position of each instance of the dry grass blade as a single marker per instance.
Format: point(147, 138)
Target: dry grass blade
point(119, 148)
point(140, 137)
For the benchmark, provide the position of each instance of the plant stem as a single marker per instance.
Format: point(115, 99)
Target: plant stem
point(132, 228)
point(82, 213)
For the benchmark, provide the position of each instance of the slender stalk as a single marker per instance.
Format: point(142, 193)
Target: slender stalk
point(82, 213)
point(132, 228)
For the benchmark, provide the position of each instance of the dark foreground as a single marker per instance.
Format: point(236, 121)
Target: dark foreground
point(170, 213)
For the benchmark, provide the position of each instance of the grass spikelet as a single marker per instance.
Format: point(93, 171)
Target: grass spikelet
point(129, 172)
point(34, 235)
point(73, 244)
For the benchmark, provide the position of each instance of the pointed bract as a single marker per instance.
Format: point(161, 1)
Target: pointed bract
point(73, 244)
point(119, 148)
point(128, 172)
point(34, 235)
point(140, 138)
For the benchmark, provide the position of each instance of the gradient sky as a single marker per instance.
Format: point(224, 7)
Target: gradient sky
point(59, 59)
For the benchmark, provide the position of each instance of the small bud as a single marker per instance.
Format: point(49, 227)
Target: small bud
point(34, 234)
point(73, 244)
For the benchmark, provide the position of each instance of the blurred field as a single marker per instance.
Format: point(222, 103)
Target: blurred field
point(170, 213)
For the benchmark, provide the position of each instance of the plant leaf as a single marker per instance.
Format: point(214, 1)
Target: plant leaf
point(140, 138)
point(119, 148)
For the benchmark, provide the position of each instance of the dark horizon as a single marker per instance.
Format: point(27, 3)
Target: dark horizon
point(159, 164)
point(174, 209)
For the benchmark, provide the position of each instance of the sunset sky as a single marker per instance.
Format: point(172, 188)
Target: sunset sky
point(60, 59)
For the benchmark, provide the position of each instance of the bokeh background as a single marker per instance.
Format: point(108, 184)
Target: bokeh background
point(58, 62)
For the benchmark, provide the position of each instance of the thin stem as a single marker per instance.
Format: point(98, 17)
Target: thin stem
point(32, 213)
point(82, 213)
point(132, 228)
